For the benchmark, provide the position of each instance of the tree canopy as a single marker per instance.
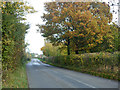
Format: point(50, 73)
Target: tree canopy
point(82, 26)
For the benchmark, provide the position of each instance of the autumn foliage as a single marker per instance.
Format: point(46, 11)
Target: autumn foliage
point(13, 34)
point(81, 26)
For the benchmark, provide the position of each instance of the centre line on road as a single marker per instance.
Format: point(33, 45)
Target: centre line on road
point(82, 82)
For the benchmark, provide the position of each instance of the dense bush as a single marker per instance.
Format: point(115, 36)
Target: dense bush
point(90, 62)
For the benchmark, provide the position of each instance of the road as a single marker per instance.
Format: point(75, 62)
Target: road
point(42, 75)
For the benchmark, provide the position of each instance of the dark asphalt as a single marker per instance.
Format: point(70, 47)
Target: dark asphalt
point(42, 75)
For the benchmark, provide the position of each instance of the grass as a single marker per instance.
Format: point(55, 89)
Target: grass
point(17, 79)
point(102, 70)
point(111, 76)
point(0, 75)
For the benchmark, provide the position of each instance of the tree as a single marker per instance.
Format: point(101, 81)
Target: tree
point(68, 22)
point(50, 50)
point(116, 34)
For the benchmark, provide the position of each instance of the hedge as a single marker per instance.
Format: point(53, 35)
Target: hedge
point(106, 64)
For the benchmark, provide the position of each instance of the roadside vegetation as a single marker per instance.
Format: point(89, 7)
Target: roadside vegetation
point(17, 79)
point(99, 64)
point(81, 36)
point(13, 32)
point(0, 64)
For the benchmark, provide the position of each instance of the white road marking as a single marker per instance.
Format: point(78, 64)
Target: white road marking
point(76, 80)
point(82, 82)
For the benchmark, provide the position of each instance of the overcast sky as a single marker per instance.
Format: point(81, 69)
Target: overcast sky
point(34, 38)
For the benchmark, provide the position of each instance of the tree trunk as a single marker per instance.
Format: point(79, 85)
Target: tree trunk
point(77, 51)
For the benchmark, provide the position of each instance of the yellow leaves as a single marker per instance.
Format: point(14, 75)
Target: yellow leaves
point(93, 33)
point(2, 5)
point(7, 41)
point(21, 3)
point(65, 9)
point(4, 2)
point(81, 35)
point(70, 6)
point(21, 7)
point(27, 7)
point(88, 6)
point(52, 14)
point(62, 11)
point(42, 48)
point(68, 23)
point(111, 46)
point(55, 19)
point(82, 24)
point(71, 13)
point(91, 45)
point(101, 38)
point(99, 41)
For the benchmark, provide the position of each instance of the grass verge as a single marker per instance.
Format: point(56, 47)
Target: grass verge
point(17, 79)
point(87, 71)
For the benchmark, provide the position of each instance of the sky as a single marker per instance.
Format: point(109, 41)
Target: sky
point(33, 38)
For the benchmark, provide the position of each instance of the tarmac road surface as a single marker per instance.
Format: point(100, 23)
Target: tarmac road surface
point(42, 75)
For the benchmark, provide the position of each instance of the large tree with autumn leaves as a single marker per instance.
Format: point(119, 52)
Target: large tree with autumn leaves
point(81, 26)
